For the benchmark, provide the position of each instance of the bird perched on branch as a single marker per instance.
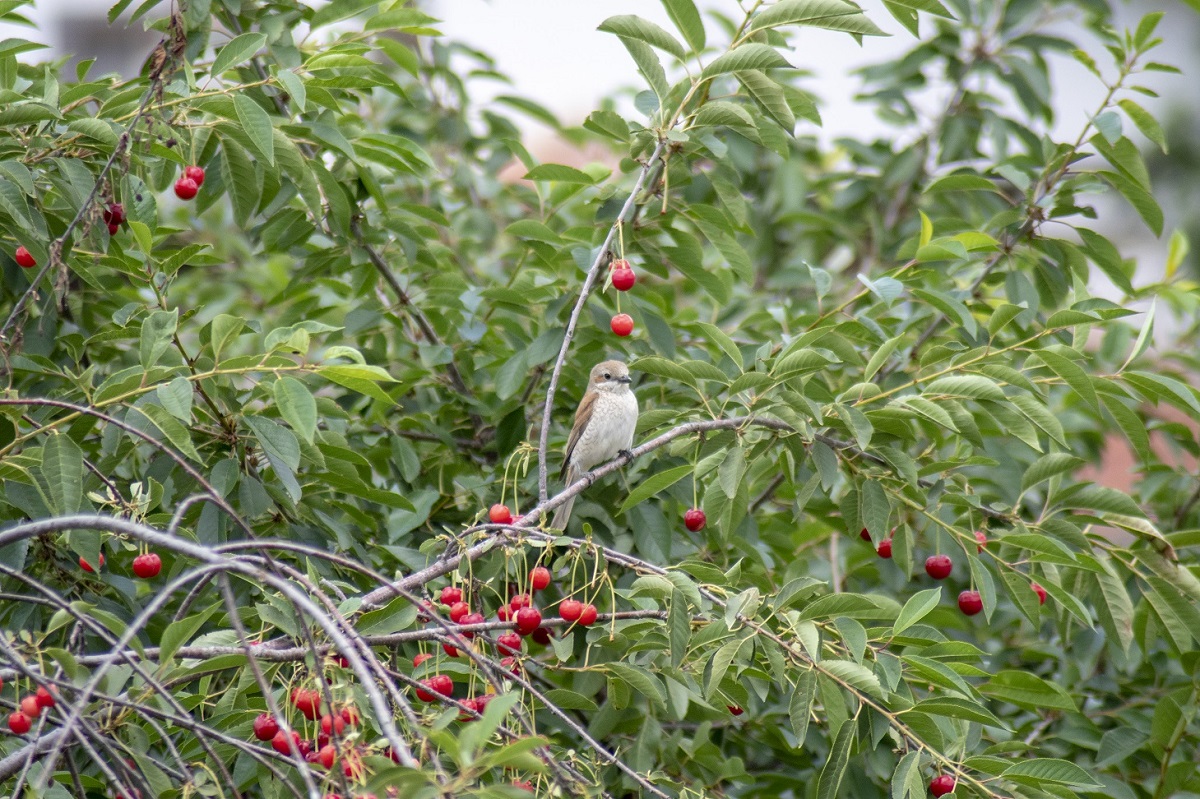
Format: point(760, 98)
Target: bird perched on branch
point(603, 427)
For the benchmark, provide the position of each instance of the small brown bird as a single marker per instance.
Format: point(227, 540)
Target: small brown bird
point(604, 426)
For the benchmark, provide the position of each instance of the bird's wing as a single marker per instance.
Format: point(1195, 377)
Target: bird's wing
point(582, 417)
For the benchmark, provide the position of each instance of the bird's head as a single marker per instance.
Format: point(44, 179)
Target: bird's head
point(609, 376)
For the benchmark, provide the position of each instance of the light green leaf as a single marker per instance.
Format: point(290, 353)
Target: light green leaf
point(158, 331)
point(687, 20)
point(560, 173)
point(916, 608)
point(635, 27)
point(238, 50)
point(297, 406)
point(1047, 466)
point(800, 704)
point(62, 470)
point(257, 126)
point(745, 57)
point(1145, 122)
point(1037, 771)
point(652, 485)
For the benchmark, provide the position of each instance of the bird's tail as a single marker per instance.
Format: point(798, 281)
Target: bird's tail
point(563, 514)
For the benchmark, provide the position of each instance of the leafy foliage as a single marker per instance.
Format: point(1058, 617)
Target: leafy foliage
point(304, 388)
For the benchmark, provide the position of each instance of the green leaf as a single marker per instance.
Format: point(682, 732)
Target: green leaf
point(1114, 608)
point(635, 27)
point(830, 14)
point(854, 675)
point(62, 469)
point(768, 94)
point(1028, 691)
point(687, 21)
point(649, 66)
point(176, 433)
point(916, 608)
point(968, 386)
point(1047, 466)
point(640, 680)
point(257, 126)
point(876, 509)
point(570, 700)
point(830, 780)
point(1145, 122)
point(158, 331)
point(800, 705)
point(1142, 201)
point(297, 406)
point(276, 440)
point(907, 780)
point(176, 398)
point(1037, 771)
point(340, 10)
point(732, 470)
point(955, 708)
point(652, 485)
point(356, 379)
point(560, 173)
point(179, 632)
point(238, 50)
point(746, 57)
point(1073, 375)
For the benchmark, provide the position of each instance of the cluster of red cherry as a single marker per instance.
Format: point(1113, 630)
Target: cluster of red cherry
point(622, 276)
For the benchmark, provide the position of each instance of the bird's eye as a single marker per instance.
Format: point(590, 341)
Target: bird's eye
point(607, 376)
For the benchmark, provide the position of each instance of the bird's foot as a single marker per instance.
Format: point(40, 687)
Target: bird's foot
point(625, 453)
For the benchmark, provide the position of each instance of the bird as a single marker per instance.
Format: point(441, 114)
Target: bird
point(604, 425)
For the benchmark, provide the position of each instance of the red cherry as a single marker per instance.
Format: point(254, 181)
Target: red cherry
point(450, 650)
point(327, 755)
point(981, 539)
point(509, 644)
point(735, 709)
point(504, 613)
point(622, 324)
point(695, 520)
point(307, 701)
point(1041, 592)
point(458, 610)
point(19, 723)
point(587, 616)
point(44, 697)
point(500, 514)
point(970, 603)
point(542, 635)
point(420, 658)
point(511, 665)
point(539, 578)
point(528, 620)
point(472, 618)
point(938, 566)
point(468, 704)
point(442, 684)
point(147, 565)
point(265, 727)
point(283, 743)
point(569, 609)
point(941, 785)
point(114, 214)
point(30, 706)
point(524, 785)
point(332, 724)
point(196, 173)
point(623, 279)
point(520, 601)
point(450, 595)
point(186, 188)
point(865, 535)
point(423, 692)
point(24, 258)
point(87, 567)
point(113, 228)
point(884, 550)
point(350, 716)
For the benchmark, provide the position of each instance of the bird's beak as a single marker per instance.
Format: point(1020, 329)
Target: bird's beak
point(625, 379)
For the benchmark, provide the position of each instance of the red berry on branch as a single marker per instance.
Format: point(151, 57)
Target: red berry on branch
point(587, 616)
point(350, 715)
point(147, 565)
point(1041, 593)
point(113, 228)
point(284, 742)
point(87, 567)
point(19, 723)
point(442, 684)
point(623, 279)
point(695, 520)
point(472, 618)
point(539, 578)
point(458, 610)
point(938, 566)
point(520, 601)
point(569, 609)
point(24, 258)
point(327, 755)
point(509, 644)
point(114, 214)
point(44, 697)
point(981, 540)
point(196, 173)
point(450, 650)
point(420, 658)
point(542, 635)
point(941, 785)
point(450, 595)
point(500, 514)
point(622, 324)
point(186, 188)
point(528, 620)
point(307, 701)
point(423, 692)
point(865, 535)
point(30, 706)
point(735, 709)
point(884, 550)
point(265, 727)
point(332, 724)
point(970, 603)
